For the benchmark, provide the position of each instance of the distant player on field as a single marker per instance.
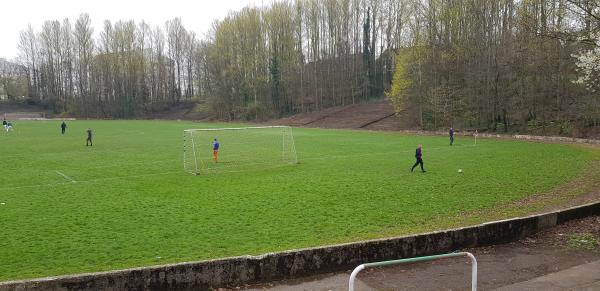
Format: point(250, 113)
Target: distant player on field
point(216, 150)
point(4, 123)
point(88, 141)
point(63, 127)
point(8, 126)
point(451, 135)
point(419, 156)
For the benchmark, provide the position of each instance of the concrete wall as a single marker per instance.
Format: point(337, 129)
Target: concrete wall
point(296, 263)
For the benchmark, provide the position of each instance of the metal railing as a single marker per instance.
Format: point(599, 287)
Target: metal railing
point(414, 260)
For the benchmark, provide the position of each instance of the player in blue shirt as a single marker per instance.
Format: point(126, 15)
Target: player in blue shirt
point(216, 150)
point(419, 156)
point(451, 135)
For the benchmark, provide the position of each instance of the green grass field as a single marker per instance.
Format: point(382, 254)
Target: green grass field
point(133, 205)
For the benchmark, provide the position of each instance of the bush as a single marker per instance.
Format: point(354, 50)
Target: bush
point(565, 128)
point(258, 112)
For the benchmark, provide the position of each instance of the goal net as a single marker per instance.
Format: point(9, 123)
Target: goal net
point(24, 115)
point(240, 149)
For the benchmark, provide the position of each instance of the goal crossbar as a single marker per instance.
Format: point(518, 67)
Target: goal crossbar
point(234, 128)
point(24, 115)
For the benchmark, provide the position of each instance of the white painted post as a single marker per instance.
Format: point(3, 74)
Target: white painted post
point(194, 151)
point(414, 260)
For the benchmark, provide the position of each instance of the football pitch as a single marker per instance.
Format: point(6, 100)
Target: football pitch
point(127, 202)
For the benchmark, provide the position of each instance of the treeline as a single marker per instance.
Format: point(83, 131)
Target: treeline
point(302, 55)
point(256, 63)
point(129, 69)
point(12, 81)
point(505, 65)
point(472, 63)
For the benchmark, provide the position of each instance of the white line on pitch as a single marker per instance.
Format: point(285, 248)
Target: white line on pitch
point(66, 177)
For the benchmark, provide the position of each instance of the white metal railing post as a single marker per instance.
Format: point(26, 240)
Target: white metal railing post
point(473, 271)
point(414, 260)
point(353, 276)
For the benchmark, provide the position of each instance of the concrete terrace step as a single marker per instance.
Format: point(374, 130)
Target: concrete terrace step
point(302, 119)
point(580, 278)
point(359, 115)
point(355, 116)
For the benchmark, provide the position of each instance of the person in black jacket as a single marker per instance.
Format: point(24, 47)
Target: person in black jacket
point(88, 141)
point(419, 156)
point(63, 127)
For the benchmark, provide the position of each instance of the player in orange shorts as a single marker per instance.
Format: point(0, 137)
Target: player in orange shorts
point(216, 150)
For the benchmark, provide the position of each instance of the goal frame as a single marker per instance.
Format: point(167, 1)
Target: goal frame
point(191, 131)
point(14, 115)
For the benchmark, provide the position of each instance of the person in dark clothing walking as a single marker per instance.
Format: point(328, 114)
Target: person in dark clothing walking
point(451, 135)
point(88, 141)
point(63, 127)
point(419, 156)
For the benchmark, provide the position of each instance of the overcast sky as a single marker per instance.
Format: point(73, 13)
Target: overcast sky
point(196, 15)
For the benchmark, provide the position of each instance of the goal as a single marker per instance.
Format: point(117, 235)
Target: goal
point(24, 115)
point(240, 149)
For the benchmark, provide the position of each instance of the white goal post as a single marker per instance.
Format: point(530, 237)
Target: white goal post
point(24, 115)
point(240, 149)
